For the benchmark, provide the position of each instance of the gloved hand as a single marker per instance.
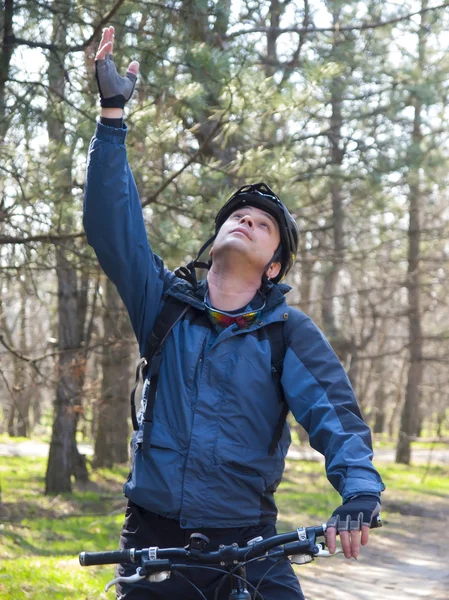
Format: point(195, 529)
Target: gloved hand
point(358, 511)
point(357, 514)
point(114, 89)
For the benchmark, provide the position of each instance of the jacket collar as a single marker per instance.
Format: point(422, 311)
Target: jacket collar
point(182, 290)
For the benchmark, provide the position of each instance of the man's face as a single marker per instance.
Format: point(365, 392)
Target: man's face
point(250, 232)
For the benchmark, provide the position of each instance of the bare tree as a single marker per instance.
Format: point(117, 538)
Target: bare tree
point(64, 459)
point(409, 417)
point(111, 443)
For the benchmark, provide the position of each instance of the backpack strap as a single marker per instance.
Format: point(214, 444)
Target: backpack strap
point(279, 428)
point(132, 400)
point(278, 335)
point(172, 311)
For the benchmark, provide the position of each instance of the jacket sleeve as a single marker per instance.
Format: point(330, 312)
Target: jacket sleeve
point(115, 228)
point(321, 399)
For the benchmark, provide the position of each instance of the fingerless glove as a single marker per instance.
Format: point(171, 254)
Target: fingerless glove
point(357, 511)
point(114, 89)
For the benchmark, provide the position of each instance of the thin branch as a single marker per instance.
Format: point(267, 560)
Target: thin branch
point(99, 26)
point(56, 93)
point(34, 360)
point(335, 29)
point(12, 39)
point(51, 238)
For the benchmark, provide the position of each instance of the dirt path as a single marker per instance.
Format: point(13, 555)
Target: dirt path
point(392, 566)
point(35, 448)
point(439, 456)
point(420, 456)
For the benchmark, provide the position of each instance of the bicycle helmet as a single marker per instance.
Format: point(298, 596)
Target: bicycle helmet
point(263, 197)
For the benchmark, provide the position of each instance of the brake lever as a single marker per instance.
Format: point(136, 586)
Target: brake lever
point(130, 579)
point(322, 553)
point(302, 559)
point(153, 577)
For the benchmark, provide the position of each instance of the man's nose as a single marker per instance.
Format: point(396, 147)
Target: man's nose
point(248, 220)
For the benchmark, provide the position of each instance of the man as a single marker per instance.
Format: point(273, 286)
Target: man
point(207, 459)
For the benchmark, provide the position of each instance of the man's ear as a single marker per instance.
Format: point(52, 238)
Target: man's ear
point(211, 251)
point(273, 270)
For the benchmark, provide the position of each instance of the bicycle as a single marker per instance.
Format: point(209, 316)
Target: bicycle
point(157, 564)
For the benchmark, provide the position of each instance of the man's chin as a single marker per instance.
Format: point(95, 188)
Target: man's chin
point(236, 246)
point(238, 254)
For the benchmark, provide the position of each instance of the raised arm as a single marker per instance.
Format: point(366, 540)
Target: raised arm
point(113, 218)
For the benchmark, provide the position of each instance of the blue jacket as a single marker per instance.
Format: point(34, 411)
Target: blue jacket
point(217, 407)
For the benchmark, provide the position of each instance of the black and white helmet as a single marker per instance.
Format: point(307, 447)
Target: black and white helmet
point(263, 197)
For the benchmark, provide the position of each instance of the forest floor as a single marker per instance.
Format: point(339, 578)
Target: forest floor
point(40, 536)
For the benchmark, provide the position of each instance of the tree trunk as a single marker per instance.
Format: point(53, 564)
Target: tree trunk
point(397, 401)
point(19, 398)
point(22, 383)
point(306, 261)
point(274, 16)
point(336, 152)
point(7, 49)
point(111, 444)
point(379, 398)
point(409, 416)
point(6, 53)
point(331, 276)
point(11, 419)
point(64, 458)
point(60, 460)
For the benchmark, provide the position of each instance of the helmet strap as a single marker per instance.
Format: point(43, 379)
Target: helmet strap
point(265, 285)
point(188, 272)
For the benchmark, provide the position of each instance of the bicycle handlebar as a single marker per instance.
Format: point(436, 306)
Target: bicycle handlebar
point(156, 564)
point(294, 542)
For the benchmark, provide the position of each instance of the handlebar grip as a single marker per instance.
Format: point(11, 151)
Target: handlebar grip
point(88, 559)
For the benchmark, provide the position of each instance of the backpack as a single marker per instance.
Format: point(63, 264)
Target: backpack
point(172, 312)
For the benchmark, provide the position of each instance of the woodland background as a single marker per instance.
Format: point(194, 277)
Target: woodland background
point(340, 106)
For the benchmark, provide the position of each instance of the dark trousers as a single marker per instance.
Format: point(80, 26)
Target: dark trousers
point(143, 529)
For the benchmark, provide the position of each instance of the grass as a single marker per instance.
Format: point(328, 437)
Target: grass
point(305, 496)
point(41, 537)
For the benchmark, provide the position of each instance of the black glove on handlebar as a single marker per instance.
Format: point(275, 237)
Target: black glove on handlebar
point(357, 511)
point(114, 89)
